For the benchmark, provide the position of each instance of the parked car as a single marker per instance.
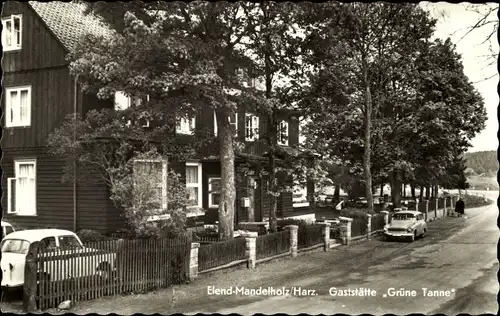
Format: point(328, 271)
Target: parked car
point(406, 224)
point(90, 261)
point(6, 229)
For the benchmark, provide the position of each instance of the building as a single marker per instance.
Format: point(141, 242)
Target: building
point(39, 92)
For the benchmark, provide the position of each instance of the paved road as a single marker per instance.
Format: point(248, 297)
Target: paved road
point(464, 263)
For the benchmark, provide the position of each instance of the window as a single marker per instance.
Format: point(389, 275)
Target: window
point(12, 33)
point(213, 192)
point(48, 244)
point(186, 126)
point(18, 106)
point(251, 127)
point(193, 183)
point(233, 122)
point(283, 133)
point(299, 195)
point(69, 243)
point(22, 188)
point(123, 101)
point(150, 176)
point(15, 246)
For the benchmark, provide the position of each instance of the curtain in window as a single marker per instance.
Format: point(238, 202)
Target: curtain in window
point(8, 33)
point(191, 175)
point(25, 192)
point(13, 106)
point(24, 106)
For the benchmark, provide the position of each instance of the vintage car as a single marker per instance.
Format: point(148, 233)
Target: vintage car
point(406, 224)
point(7, 229)
point(64, 256)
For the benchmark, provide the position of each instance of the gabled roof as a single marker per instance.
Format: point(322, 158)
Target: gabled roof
point(68, 22)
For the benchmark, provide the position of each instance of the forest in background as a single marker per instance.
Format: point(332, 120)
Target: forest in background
point(482, 162)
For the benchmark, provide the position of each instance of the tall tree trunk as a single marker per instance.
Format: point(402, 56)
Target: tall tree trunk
point(427, 192)
point(228, 191)
point(396, 189)
point(382, 190)
point(412, 188)
point(436, 191)
point(271, 140)
point(367, 138)
point(421, 193)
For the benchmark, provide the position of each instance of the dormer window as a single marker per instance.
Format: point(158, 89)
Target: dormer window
point(283, 133)
point(12, 33)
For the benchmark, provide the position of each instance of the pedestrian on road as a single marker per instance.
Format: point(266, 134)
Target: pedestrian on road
point(460, 207)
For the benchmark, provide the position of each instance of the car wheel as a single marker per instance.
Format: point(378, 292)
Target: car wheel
point(423, 233)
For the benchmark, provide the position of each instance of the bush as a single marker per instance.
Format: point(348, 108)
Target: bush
point(89, 235)
point(355, 213)
point(471, 201)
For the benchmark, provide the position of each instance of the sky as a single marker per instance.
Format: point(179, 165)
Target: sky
point(453, 21)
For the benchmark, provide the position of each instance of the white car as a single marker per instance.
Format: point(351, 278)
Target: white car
point(63, 245)
point(7, 229)
point(406, 224)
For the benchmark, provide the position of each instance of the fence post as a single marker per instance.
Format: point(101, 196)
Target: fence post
point(445, 212)
point(326, 234)
point(386, 217)
point(452, 206)
point(251, 248)
point(193, 261)
point(426, 210)
point(294, 233)
point(436, 208)
point(346, 221)
point(369, 227)
point(30, 279)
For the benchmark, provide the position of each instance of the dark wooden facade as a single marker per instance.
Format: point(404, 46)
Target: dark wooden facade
point(41, 63)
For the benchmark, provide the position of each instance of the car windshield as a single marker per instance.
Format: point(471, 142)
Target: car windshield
point(403, 217)
point(15, 246)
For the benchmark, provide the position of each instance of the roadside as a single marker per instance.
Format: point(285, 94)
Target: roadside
point(309, 268)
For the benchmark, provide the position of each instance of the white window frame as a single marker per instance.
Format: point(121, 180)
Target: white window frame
point(252, 128)
point(283, 133)
point(299, 202)
point(15, 109)
point(186, 126)
point(128, 101)
point(13, 46)
point(210, 205)
point(233, 124)
point(195, 185)
point(17, 164)
point(164, 178)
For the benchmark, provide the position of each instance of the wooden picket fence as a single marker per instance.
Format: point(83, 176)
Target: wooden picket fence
point(377, 222)
point(309, 235)
point(110, 268)
point(221, 253)
point(273, 244)
point(359, 226)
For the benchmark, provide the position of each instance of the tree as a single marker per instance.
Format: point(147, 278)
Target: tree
point(361, 50)
point(273, 45)
point(183, 56)
point(102, 147)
